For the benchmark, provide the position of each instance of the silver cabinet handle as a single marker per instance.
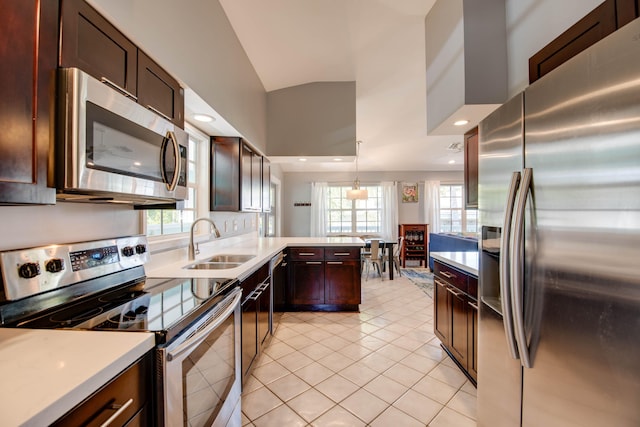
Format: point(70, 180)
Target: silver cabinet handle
point(341, 254)
point(454, 292)
point(255, 295)
point(448, 275)
point(473, 305)
point(158, 112)
point(335, 262)
point(118, 88)
point(314, 262)
point(505, 265)
point(306, 253)
point(116, 414)
point(440, 283)
point(517, 266)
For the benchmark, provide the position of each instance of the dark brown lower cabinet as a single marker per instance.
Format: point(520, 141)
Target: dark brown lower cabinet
point(456, 316)
point(324, 278)
point(256, 303)
point(133, 384)
point(307, 282)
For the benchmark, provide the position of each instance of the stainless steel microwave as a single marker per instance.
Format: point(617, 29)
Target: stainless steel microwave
point(111, 149)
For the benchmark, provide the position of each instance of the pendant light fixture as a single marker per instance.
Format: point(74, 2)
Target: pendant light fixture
point(356, 193)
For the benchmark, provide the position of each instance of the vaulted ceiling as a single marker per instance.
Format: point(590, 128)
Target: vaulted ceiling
point(379, 44)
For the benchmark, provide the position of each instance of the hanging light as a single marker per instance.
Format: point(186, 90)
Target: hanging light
point(357, 193)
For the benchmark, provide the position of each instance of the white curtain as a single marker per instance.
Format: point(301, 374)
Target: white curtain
point(389, 215)
point(319, 209)
point(432, 205)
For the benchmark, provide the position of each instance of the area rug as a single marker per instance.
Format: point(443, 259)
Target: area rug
point(421, 277)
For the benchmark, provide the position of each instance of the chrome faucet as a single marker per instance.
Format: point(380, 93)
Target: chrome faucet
point(193, 249)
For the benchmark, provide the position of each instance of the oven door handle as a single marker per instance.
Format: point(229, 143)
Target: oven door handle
point(211, 323)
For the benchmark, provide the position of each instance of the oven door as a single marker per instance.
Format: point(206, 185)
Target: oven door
point(199, 371)
point(114, 145)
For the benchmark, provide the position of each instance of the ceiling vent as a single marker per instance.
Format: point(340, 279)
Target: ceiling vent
point(466, 60)
point(456, 147)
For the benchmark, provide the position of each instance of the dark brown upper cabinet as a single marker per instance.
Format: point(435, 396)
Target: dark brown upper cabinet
point(158, 91)
point(225, 174)
point(596, 25)
point(236, 176)
point(266, 185)
point(471, 168)
point(28, 50)
point(90, 42)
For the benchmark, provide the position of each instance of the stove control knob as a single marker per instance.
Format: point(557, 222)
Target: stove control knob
point(29, 270)
point(140, 249)
point(128, 251)
point(54, 265)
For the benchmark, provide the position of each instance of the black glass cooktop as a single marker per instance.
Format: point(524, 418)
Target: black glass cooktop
point(163, 306)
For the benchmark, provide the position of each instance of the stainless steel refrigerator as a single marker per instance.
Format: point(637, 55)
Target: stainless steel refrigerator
point(559, 202)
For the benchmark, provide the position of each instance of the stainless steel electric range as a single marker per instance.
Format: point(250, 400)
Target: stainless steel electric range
point(101, 285)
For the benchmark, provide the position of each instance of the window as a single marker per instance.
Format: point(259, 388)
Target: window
point(354, 217)
point(453, 217)
point(168, 221)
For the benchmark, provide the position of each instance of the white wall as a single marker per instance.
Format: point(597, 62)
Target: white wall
point(297, 188)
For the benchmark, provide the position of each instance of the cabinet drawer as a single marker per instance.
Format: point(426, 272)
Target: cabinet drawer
point(341, 253)
point(126, 393)
point(451, 275)
point(306, 254)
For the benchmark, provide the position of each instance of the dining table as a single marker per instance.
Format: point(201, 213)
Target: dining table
point(386, 247)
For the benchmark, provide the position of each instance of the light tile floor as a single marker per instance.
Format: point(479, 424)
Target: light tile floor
point(382, 366)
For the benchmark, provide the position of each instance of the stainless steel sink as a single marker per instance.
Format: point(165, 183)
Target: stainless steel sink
point(241, 258)
point(212, 265)
point(220, 262)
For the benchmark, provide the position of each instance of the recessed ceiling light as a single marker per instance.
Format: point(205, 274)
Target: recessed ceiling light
point(205, 118)
point(302, 159)
point(337, 159)
point(460, 122)
point(451, 162)
point(137, 163)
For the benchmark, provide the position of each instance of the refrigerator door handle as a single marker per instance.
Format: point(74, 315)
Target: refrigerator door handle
point(505, 275)
point(517, 267)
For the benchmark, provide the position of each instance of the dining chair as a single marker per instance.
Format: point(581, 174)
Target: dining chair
point(395, 258)
point(372, 258)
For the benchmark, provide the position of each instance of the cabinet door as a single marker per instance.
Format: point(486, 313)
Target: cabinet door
point(472, 339)
point(306, 282)
point(249, 335)
point(342, 282)
point(246, 183)
point(471, 168)
point(627, 11)
point(442, 312)
point(266, 185)
point(599, 23)
point(91, 43)
point(158, 91)
point(225, 174)
point(256, 182)
point(28, 50)
point(264, 306)
point(458, 337)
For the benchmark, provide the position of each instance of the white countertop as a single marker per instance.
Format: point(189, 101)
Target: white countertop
point(263, 248)
point(465, 261)
point(45, 373)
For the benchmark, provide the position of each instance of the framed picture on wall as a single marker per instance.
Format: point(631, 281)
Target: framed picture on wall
point(409, 193)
